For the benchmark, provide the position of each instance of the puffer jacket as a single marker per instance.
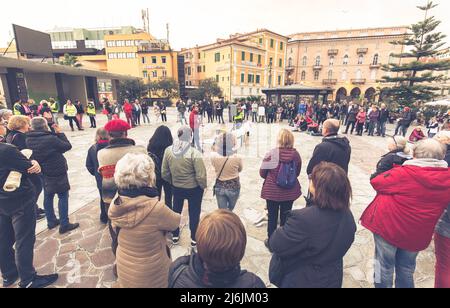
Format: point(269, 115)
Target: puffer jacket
point(333, 149)
point(143, 258)
point(269, 172)
point(188, 273)
point(389, 161)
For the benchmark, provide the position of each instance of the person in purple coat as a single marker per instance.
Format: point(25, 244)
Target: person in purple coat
point(373, 120)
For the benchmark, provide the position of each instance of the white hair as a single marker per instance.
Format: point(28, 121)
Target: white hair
point(443, 137)
point(400, 143)
point(430, 149)
point(135, 171)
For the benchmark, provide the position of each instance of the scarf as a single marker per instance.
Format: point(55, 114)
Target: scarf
point(134, 192)
point(426, 163)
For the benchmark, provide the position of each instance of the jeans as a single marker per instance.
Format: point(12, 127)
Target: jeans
point(352, 124)
point(390, 259)
point(254, 117)
point(164, 117)
point(276, 209)
point(194, 197)
point(182, 117)
point(227, 198)
point(442, 250)
point(145, 118)
point(63, 208)
point(372, 126)
point(382, 128)
point(196, 141)
point(401, 128)
point(93, 121)
point(168, 195)
point(73, 119)
point(360, 129)
point(18, 229)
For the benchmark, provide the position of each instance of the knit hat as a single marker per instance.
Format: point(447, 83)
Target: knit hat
point(117, 126)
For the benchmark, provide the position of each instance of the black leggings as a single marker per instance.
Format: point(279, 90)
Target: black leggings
point(352, 124)
point(93, 122)
point(168, 195)
point(164, 117)
point(276, 209)
point(194, 197)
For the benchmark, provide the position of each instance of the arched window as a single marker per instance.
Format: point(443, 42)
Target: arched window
point(346, 59)
point(318, 61)
point(360, 59)
point(316, 75)
point(305, 61)
point(358, 74)
point(290, 63)
point(375, 59)
point(303, 76)
point(331, 60)
point(344, 75)
point(391, 58)
point(330, 74)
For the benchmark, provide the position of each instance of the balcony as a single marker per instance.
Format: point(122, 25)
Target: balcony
point(358, 81)
point(375, 65)
point(362, 51)
point(290, 68)
point(317, 67)
point(333, 52)
point(329, 82)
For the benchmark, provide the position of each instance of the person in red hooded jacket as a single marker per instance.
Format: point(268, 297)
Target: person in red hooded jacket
point(409, 203)
point(128, 110)
point(195, 123)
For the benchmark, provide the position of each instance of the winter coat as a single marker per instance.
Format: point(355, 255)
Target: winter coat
point(107, 160)
point(92, 161)
point(361, 117)
point(311, 247)
point(18, 139)
point(333, 149)
point(389, 161)
point(352, 115)
point(12, 160)
point(48, 149)
point(384, 115)
point(184, 168)
point(409, 202)
point(373, 116)
point(128, 108)
point(194, 120)
point(269, 172)
point(188, 273)
point(443, 227)
point(143, 258)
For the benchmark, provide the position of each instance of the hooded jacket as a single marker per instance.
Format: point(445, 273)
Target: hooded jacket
point(143, 223)
point(389, 161)
point(443, 227)
point(409, 202)
point(269, 172)
point(188, 273)
point(333, 149)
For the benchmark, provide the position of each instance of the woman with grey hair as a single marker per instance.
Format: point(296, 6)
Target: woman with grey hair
point(398, 154)
point(227, 165)
point(48, 149)
point(142, 221)
point(409, 203)
point(442, 235)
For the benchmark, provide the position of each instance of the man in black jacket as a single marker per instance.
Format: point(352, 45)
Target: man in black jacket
point(48, 149)
point(333, 149)
point(382, 121)
point(18, 222)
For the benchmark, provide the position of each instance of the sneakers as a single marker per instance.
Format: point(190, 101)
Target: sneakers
point(10, 281)
point(40, 216)
point(175, 240)
point(68, 228)
point(40, 282)
point(193, 245)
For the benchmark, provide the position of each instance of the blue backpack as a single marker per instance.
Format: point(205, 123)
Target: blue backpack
point(287, 175)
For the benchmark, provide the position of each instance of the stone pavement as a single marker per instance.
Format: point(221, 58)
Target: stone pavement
point(83, 258)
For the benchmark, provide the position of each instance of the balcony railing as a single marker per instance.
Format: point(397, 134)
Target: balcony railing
point(359, 81)
point(290, 68)
point(375, 65)
point(329, 81)
point(362, 50)
point(318, 67)
point(333, 52)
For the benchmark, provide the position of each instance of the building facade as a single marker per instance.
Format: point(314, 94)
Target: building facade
point(347, 61)
point(242, 65)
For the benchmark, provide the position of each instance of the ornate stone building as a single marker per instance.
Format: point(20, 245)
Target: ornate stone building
point(347, 61)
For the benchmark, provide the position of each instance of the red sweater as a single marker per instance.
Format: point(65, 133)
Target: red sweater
point(128, 108)
point(409, 202)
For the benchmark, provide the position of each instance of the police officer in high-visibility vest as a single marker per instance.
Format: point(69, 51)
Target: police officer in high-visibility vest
point(18, 109)
point(54, 106)
point(91, 112)
point(70, 114)
point(239, 118)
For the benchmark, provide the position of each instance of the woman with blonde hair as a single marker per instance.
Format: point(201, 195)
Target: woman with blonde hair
point(142, 222)
point(280, 170)
point(398, 154)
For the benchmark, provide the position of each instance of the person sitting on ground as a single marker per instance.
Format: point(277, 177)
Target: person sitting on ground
point(143, 258)
point(309, 249)
point(313, 127)
point(222, 241)
point(409, 203)
point(417, 135)
point(398, 154)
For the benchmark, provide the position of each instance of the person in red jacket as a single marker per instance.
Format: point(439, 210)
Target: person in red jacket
point(194, 123)
point(417, 135)
point(128, 110)
point(409, 203)
point(360, 121)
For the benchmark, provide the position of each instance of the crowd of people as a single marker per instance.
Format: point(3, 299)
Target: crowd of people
point(307, 245)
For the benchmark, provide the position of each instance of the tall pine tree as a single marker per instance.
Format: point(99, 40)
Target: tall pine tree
point(414, 79)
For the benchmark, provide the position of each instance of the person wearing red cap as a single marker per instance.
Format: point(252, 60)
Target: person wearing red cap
point(119, 146)
point(404, 122)
point(128, 110)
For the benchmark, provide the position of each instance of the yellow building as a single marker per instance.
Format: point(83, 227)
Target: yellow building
point(141, 55)
point(242, 65)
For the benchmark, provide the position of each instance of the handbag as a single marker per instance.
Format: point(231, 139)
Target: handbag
point(220, 174)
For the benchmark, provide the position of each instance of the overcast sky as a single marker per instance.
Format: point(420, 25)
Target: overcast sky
point(202, 21)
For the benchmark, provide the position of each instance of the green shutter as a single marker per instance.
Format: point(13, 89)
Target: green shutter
point(258, 79)
point(243, 56)
point(242, 78)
